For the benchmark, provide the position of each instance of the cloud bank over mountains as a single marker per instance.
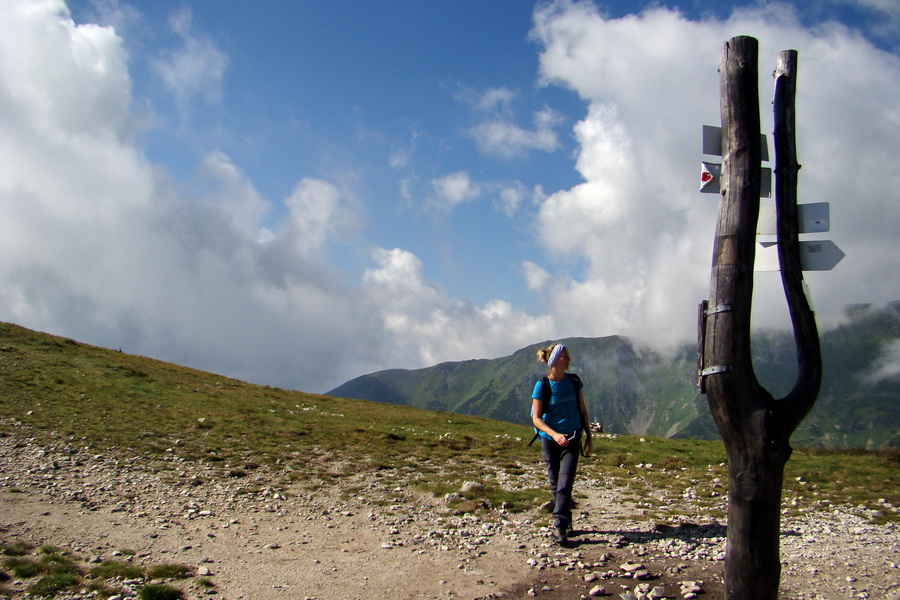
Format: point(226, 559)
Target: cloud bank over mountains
point(101, 243)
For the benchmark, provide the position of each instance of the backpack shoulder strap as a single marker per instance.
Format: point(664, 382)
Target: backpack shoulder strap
point(546, 394)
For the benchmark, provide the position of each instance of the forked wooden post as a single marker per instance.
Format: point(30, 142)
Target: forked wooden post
point(755, 428)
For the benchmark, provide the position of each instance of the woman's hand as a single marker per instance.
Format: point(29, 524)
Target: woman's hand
point(560, 439)
point(588, 446)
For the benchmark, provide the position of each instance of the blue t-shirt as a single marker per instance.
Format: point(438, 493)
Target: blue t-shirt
point(562, 412)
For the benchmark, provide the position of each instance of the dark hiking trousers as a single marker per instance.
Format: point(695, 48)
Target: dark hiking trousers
point(561, 464)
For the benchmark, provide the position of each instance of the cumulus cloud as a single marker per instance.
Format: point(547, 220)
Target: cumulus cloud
point(430, 326)
point(454, 189)
point(103, 246)
point(638, 225)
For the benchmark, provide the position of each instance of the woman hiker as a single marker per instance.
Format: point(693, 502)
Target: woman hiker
point(560, 422)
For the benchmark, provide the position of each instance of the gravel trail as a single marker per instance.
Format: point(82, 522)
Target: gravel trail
point(387, 542)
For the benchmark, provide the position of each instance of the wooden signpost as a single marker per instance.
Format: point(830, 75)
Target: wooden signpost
point(754, 426)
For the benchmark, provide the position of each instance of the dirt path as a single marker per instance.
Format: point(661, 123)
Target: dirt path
point(392, 543)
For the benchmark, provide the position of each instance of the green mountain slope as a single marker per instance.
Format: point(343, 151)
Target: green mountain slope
point(634, 389)
point(628, 388)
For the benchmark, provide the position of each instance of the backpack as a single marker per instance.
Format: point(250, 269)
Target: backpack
point(546, 393)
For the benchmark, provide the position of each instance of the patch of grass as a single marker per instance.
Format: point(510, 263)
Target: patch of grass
point(49, 571)
point(53, 583)
point(57, 572)
point(169, 571)
point(160, 591)
point(23, 568)
point(16, 549)
point(854, 477)
point(109, 569)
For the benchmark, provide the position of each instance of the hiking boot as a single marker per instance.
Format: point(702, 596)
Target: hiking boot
point(561, 538)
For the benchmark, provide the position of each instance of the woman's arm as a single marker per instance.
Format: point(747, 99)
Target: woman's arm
point(539, 424)
point(585, 422)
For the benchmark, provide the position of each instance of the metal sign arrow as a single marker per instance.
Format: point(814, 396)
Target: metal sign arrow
point(821, 255)
point(813, 217)
point(712, 142)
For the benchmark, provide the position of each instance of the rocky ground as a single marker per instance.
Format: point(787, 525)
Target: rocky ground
point(386, 541)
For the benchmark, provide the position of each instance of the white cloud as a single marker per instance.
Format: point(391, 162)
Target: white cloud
point(320, 213)
point(454, 189)
point(510, 199)
point(459, 188)
point(427, 326)
point(497, 133)
point(496, 99)
point(887, 366)
point(643, 232)
point(501, 137)
point(100, 245)
point(883, 18)
point(536, 277)
point(84, 89)
point(398, 159)
point(195, 71)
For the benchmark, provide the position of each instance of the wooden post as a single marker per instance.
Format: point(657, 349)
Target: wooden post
point(754, 427)
point(799, 402)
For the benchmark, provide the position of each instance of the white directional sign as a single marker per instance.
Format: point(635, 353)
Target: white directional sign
point(814, 218)
point(712, 142)
point(711, 179)
point(814, 256)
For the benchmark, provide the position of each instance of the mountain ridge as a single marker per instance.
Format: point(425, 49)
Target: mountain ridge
point(634, 389)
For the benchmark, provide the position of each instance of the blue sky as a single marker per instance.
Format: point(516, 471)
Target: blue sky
point(297, 193)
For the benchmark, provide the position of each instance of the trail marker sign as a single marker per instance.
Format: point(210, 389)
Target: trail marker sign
point(822, 255)
point(711, 173)
point(814, 218)
point(712, 142)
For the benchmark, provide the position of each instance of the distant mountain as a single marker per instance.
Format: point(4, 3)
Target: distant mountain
point(634, 389)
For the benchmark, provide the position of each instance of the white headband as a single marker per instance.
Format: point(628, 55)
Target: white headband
point(554, 354)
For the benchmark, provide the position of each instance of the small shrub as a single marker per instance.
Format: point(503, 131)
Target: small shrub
point(160, 592)
point(53, 583)
point(169, 571)
point(23, 568)
point(16, 549)
point(51, 550)
point(113, 568)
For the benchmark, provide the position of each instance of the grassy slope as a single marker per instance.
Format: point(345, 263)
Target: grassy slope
point(59, 390)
